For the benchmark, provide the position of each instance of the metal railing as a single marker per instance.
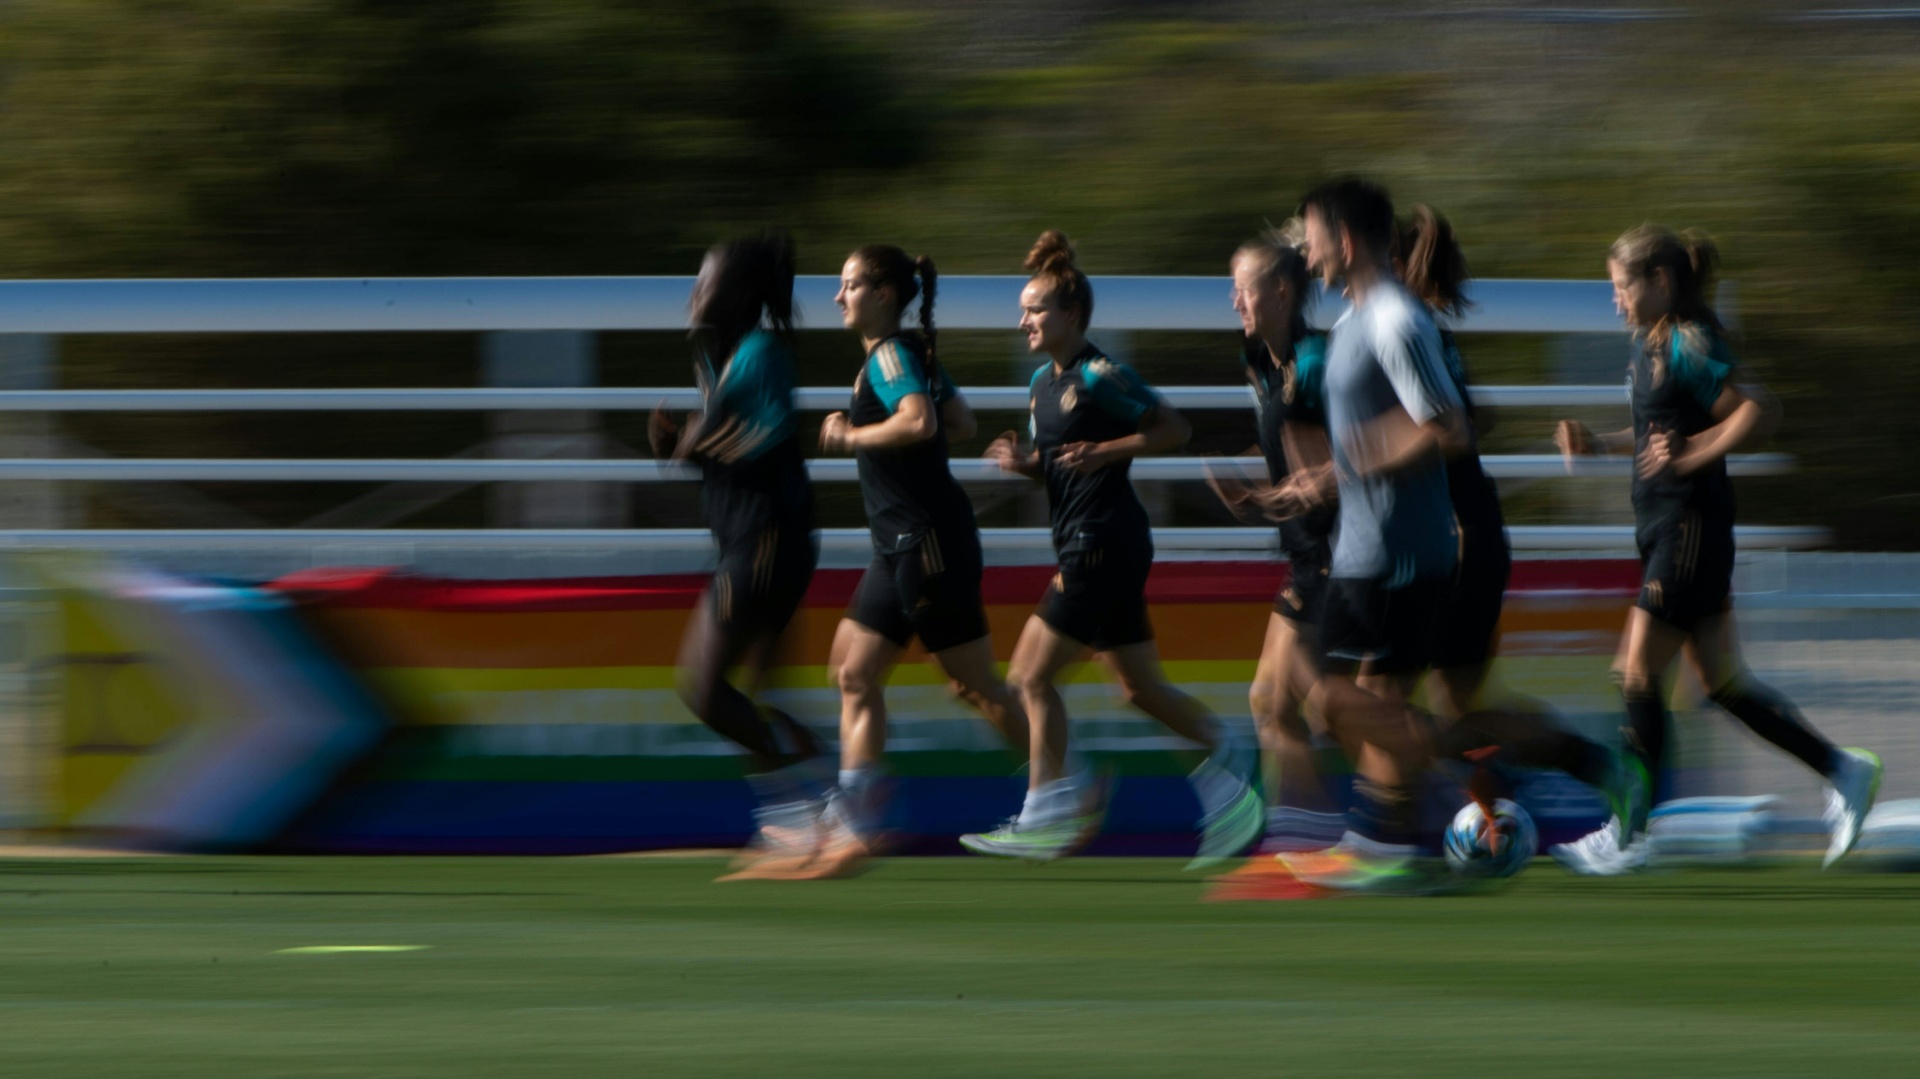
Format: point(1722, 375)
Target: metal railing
point(302, 305)
point(826, 470)
point(1224, 539)
point(631, 399)
point(659, 303)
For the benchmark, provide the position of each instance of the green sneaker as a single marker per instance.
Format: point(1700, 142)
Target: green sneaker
point(1231, 829)
point(1356, 864)
point(1029, 842)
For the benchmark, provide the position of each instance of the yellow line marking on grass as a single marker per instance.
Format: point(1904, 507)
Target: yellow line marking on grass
point(330, 949)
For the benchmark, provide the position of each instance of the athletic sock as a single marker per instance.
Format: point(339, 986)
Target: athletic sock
point(788, 797)
point(1053, 801)
point(1647, 723)
point(1229, 752)
point(1293, 829)
point(1772, 717)
point(860, 798)
point(1215, 786)
point(1382, 814)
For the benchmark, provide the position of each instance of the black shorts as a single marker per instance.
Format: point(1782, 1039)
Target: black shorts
point(1686, 570)
point(931, 591)
point(1304, 599)
point(762, 579)
point(1465, 636)
point(1389, 630)
point(1099, 597)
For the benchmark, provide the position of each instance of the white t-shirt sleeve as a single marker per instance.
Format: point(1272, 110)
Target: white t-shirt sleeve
point(1409, 352)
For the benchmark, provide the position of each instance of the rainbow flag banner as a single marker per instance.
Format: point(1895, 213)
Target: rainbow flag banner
point(540, 715)
point(172, 713)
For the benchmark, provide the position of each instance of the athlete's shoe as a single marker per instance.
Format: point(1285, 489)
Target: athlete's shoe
point(1357, 864)
point(1260, 877)
point(1853, 787)
point(1030, 842)
point(844, 854)
point(791, 835)
point(1629, 795)
point(1600, 853)
point(778, 854)
point(1229, 829)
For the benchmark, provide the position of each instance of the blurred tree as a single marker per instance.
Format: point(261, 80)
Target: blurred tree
point(432, 137)
point(177, 137)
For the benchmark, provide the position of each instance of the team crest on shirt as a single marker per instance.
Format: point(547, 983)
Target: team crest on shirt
point(1105, 368)
point(1068, 398)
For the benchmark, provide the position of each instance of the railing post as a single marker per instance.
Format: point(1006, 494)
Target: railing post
point(531, 358)
point(30, 361)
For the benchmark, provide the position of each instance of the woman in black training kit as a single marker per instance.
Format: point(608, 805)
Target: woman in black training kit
point(759, 503)
point(1514, 730)
point(1687, 416)
point(1090, 417)
point(924, 580)
point(1286, 364)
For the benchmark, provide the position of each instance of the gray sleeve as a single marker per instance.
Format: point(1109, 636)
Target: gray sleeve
point(1409, 353)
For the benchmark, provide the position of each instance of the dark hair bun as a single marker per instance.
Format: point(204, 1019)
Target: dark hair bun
point(1052, 253)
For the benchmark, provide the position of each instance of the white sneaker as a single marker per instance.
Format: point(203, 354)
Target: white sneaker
point(1600, 853)
point(1855, 784)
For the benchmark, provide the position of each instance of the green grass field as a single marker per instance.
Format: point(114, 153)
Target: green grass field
point(937, 967)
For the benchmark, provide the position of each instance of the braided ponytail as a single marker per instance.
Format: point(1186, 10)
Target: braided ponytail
point(887, 266)
point(929, 283)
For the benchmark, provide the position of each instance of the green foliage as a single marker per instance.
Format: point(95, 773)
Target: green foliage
point(433, 137)
point(296, 137)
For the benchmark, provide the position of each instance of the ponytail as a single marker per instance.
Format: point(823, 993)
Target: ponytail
point(1692, 262)
point(929, 283)
point(1432, 265)
point(1052, 260)
point(887, 266)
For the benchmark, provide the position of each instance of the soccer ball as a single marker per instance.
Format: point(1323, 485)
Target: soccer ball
point(1500, 851)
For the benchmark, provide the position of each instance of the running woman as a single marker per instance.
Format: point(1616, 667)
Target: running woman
point(1286, 362)
point(1393, 417)
point(759, 503)
point(924, 580)
point(1090, 418)
point(1688, 414)
point(1430, 263)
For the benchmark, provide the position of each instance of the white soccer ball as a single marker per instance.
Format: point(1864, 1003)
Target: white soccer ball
point(1475, 850)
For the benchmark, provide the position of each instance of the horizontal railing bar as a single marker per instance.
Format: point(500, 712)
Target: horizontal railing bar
point(640, 470)
point(383, 542)
point(631, 399)
point(967, 302)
